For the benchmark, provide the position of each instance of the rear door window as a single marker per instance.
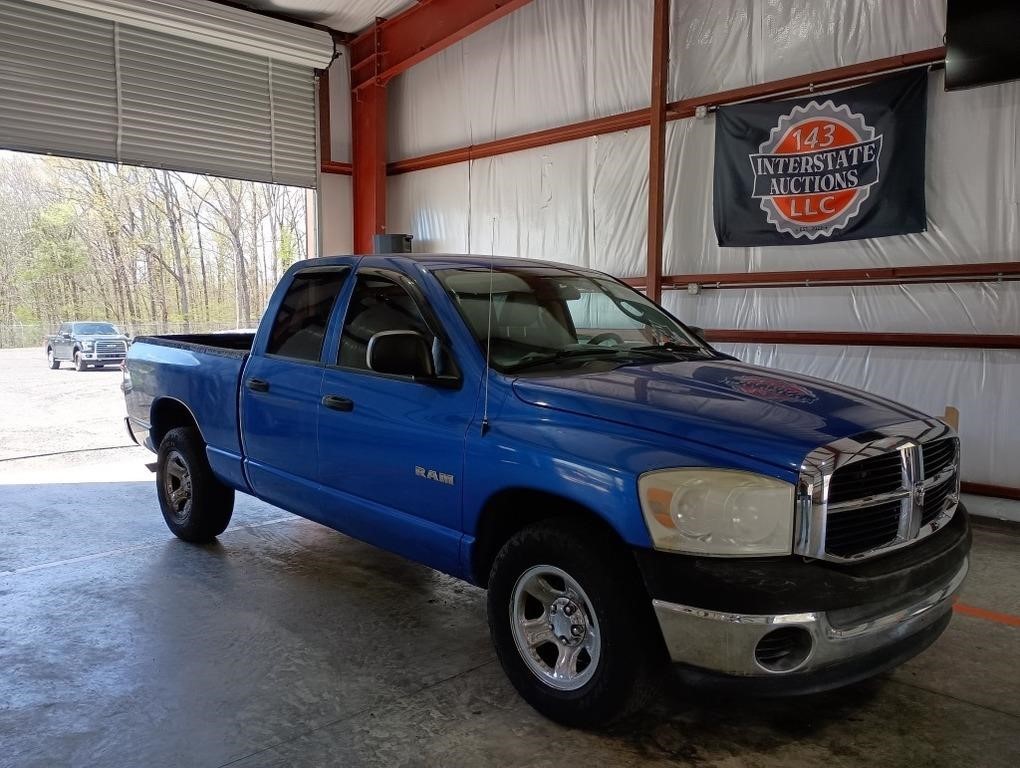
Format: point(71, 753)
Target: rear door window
point(299, 328)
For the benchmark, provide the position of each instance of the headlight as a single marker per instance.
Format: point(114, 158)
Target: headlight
point(87, 344)
point(718, 512)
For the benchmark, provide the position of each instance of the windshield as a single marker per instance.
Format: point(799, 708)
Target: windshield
point(96, 329)
point(553, 317)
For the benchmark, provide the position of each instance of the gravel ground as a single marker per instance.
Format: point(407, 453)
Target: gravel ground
point(44, 411)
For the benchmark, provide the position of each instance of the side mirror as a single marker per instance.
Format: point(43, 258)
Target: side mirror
point(401, 353)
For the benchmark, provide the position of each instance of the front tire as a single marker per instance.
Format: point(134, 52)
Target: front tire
point(576, 638)
point(196, 506)
point(51, 359)
point(79, 362)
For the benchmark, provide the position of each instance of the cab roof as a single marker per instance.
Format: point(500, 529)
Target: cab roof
point(444, 260)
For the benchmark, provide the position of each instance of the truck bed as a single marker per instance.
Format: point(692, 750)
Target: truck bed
point(201, 371)
point(235, 344)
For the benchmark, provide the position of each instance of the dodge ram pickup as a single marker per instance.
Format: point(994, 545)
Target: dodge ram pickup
point(92, 344)
point(630, 497)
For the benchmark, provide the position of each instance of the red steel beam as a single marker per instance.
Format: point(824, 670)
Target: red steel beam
point(344, 169)
point(984, 489)
point(674, 111)
point(867, 339)
point(421, 31)
point(657, 149)
point(583, 130)
point(815, 278)
point(325, 129)
point(368, 122)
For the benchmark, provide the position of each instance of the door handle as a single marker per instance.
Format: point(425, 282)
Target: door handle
point(258, 385)
point(337, 403)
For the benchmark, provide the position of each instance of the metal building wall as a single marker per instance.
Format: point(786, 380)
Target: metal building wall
point(585, 202)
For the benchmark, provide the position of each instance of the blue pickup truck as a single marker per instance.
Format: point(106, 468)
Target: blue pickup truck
point(629, 496)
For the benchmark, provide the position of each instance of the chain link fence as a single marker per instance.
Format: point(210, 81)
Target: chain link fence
point(32, 334)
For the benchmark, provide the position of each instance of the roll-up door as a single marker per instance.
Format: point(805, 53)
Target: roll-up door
point(58, 82)
point(88, 86)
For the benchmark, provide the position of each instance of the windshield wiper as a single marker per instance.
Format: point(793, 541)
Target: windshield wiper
point(667, 346)
point(562, 354)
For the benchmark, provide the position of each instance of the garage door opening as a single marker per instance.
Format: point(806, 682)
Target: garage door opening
point(149, 250)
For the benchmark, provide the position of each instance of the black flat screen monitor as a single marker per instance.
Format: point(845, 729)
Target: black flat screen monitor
point(982, 42)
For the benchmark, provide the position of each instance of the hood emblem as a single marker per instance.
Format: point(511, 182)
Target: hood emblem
point(769, 388)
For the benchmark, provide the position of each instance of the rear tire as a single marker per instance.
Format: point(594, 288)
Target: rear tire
point(576, 637)
point(79, 362)
point(51, 359)
point(196, 506)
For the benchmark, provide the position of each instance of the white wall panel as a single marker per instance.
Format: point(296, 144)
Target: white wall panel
point(712, 47)
point(620, 203)
point(550, 63)
point(981, 383)
point(621, 44)
point(717, 45)
point(336, 209)
point(340, 108)
point(581, 202)
point(534, 203)
point(689, 242)
point(936, 307)
point(433, 206)
point(800, 36)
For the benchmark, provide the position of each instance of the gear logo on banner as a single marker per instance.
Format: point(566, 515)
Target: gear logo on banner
point(816, 169)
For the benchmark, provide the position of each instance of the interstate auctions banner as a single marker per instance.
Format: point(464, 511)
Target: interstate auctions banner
point(842, 166)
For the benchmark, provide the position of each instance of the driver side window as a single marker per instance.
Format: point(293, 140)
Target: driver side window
point(377, 304)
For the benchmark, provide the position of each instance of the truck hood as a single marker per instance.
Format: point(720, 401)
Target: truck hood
point(100, 337)
point(773, 416)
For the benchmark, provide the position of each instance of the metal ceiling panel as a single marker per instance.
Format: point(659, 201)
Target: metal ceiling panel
point(343, 15)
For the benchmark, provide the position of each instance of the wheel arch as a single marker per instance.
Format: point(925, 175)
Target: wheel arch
point(510, 510)
point(168, 413)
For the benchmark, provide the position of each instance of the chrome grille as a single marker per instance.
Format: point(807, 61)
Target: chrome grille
point(879, 474)
point(863, 496)
point(935, 500)
point(939, 454)
point(867, 528)
point(111, 347)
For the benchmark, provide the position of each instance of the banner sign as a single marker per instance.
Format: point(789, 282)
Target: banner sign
point(843, 166)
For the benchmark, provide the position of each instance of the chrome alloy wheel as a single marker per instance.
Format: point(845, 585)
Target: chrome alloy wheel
point(555, 628)
point(177, 484)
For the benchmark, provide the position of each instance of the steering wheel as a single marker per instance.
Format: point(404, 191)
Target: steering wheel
point(597, 340)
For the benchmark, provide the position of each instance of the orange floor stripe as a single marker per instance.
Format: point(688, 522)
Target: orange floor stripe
point(981, 613)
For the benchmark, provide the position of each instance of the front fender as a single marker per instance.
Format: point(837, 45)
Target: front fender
point(588, 461)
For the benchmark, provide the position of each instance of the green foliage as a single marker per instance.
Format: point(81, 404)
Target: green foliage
point(137, 246)
point(288, 247)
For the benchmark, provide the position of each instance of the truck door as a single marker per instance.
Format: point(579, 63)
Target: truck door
point(61, 346)
point(279, 391)
point(391, 449)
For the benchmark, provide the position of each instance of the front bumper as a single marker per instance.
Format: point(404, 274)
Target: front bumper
point(104, 358)
point(802, 638)
point(732, 644)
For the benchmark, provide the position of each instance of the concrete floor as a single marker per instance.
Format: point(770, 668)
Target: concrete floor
point(285, 644)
